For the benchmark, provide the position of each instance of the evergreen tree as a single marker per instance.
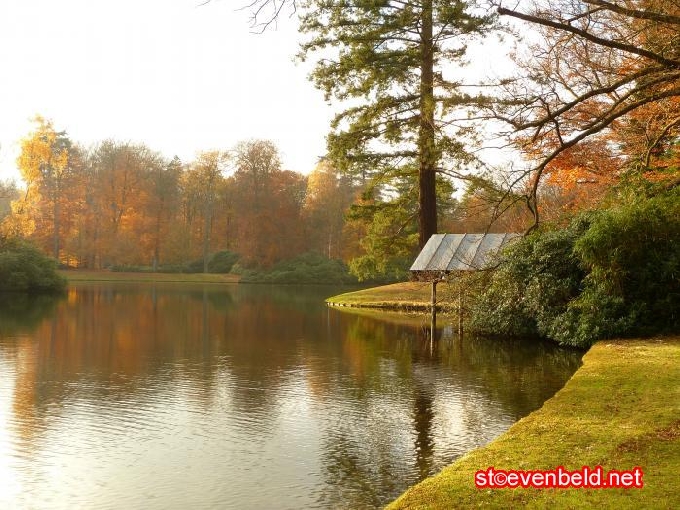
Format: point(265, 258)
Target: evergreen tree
point(386, 58)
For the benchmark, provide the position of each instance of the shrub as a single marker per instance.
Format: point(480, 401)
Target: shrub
point(610, 273)
point(632, 257)
point(307, 268)
point(533, 286)
point(219, 262)
point(222, 261)
point(24, 268)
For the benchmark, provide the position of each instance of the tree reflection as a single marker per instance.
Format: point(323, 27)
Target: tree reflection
point(379, 404)
point(423, 415)
point(22, 313)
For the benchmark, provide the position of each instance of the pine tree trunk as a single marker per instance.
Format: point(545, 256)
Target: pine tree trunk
point(427, 199)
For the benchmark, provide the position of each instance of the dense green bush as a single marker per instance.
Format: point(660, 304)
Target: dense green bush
point(307, 268)
point(222, 261)
point(610, 273)
point(632, 257)
point(24, 268)
point(538, 278)
point(219, 262)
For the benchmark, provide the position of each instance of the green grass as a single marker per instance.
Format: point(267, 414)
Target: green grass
point(620, 410)
point(398, 296)
point(110, 276)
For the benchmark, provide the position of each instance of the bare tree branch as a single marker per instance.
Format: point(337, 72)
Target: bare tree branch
point(267, 12)
point(599, 67)
point(628, 48)
point(659, 17)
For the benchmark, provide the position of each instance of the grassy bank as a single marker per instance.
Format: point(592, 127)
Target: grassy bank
point(413, 296)
point(620, 410)
point(111, 276)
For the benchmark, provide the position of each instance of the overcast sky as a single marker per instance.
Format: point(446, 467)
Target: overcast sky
point(172, 74)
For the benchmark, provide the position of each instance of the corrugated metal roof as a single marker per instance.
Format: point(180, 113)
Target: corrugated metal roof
point(460, 252)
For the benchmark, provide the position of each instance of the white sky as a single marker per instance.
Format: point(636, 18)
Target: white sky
point(174, 75)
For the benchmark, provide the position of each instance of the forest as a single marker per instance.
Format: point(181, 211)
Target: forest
point(123, 205)
point(588, 114)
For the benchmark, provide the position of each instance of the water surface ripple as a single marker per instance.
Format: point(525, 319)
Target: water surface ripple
point(162, 397)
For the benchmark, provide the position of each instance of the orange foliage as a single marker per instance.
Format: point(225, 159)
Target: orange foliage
point(123, 204)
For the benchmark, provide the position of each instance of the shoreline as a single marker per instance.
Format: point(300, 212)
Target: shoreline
point(620, 410)
point(401, 297)
point(84, 276)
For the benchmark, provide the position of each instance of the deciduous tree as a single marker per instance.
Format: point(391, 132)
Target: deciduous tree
point(328, 197)
point(268, 204)
point(45, 163)
point(122, 178)
point(163, 203)
point(601, 73)
point(205, 176)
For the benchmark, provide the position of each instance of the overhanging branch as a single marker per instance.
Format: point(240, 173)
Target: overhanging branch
point(628, 48)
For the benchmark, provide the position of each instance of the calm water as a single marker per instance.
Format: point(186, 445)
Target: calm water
point(143, 396)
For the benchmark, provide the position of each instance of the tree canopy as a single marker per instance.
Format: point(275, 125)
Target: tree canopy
point(392, 65)
point(598, 91)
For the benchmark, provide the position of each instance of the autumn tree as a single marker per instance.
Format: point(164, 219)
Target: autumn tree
point(268, 204)
point(162, 204)
point(123, 179)
point(46, 166)
point(486, 206)
point(393, 65)
point(205, 178)
point(256, 162)
point(85, 243)
point(601, 81)
point(328, 197)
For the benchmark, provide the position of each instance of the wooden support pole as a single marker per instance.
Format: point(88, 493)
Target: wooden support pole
point(460, 311)
point(434, 300)
point(433, 317)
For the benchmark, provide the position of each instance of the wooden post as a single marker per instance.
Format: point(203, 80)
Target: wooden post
point(460, 311)
point(434, 299)
point(433, 317)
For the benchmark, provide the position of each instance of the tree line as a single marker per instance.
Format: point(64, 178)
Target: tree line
point(120, 203)
point(590, 109)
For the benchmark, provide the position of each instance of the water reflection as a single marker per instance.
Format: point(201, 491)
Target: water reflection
point(246, 397)
point(20, 312)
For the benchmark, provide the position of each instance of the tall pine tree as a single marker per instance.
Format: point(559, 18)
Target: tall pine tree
point(385, 60)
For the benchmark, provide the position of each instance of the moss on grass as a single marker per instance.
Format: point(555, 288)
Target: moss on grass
point(620, 410)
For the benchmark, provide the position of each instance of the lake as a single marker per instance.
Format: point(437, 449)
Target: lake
point(189, 396)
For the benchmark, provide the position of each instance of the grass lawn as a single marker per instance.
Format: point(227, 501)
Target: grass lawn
point(620, 410)
point(405, 295)
point(111, 276)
